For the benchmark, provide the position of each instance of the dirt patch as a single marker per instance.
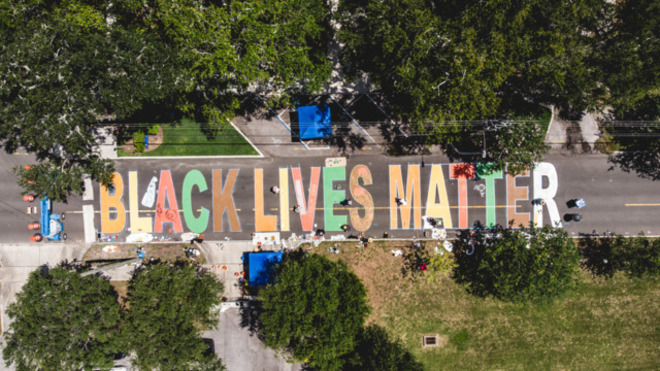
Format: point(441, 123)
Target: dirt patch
point(154, 142)
point(385, 276)
point(168, 252)
point(122, 291)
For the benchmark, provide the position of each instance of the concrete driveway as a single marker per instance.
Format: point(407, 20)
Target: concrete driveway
point(242, 350)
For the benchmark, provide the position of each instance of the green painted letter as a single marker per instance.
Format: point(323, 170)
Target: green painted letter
point(484, 171)
point(194, 178)
point(331, 196)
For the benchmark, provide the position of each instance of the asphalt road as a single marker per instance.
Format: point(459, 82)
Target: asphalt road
point(616, 201)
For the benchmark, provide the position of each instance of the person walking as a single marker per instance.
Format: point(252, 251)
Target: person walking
point(401, 201)
point(275, 190)
point(296, 209)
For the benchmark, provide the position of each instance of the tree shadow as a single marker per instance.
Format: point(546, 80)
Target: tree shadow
point(463, 170)
point(345, 140)
point(645, 163)
point(252, 108)
point(250, 312)
point(400, 140)
point(639, 143)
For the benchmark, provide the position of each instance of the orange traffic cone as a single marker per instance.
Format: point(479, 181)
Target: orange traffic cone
point(36, 237)
point(28, 198)
point(34, 226)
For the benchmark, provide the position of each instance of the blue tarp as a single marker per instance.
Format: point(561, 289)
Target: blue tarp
point(259, 266)
point(314, 122)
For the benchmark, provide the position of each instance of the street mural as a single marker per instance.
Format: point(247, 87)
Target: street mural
point(317, 197)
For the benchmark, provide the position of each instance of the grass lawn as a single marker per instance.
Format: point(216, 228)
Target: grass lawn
point(186, 139)
point(524, 110)
point(603, 324)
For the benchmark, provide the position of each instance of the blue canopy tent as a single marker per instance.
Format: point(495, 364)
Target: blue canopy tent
point(314, 122)
point(260, 265)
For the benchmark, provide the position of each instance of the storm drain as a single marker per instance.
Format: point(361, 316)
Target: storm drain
point(429, 341)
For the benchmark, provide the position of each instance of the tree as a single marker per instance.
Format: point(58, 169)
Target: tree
point(629, 57)
point(376, 350)
point(511, 145)
point(234, 47)
point(438, 62)
point(429, 67)
point(62, 321)
point(62, 67)
point(315, 309)
point(169, 306)
point(531, 265)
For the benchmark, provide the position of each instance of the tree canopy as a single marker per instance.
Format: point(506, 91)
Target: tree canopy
point(629, 59)
point(62, 321)
point(169, 306)
point(315, 309)
point(530, 265)
point(66, 66)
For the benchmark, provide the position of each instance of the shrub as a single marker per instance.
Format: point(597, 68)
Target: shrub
point(602, 256)
point(636, 256)
point(138, 141)
point(533, 265)
point(440, 266)
point(153, 130)
point(641, 257)
point(606, 144)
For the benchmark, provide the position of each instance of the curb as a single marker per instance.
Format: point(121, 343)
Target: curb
point(552, 119)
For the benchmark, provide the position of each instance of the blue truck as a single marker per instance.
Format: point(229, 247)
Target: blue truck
point(51, 223)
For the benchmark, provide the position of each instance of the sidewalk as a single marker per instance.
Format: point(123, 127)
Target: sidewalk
point(573, 136)
point(19, 260)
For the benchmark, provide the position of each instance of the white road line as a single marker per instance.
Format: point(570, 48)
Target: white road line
point(88, 194)
point(88, 223)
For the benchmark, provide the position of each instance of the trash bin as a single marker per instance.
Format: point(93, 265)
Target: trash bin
point(576, 217)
